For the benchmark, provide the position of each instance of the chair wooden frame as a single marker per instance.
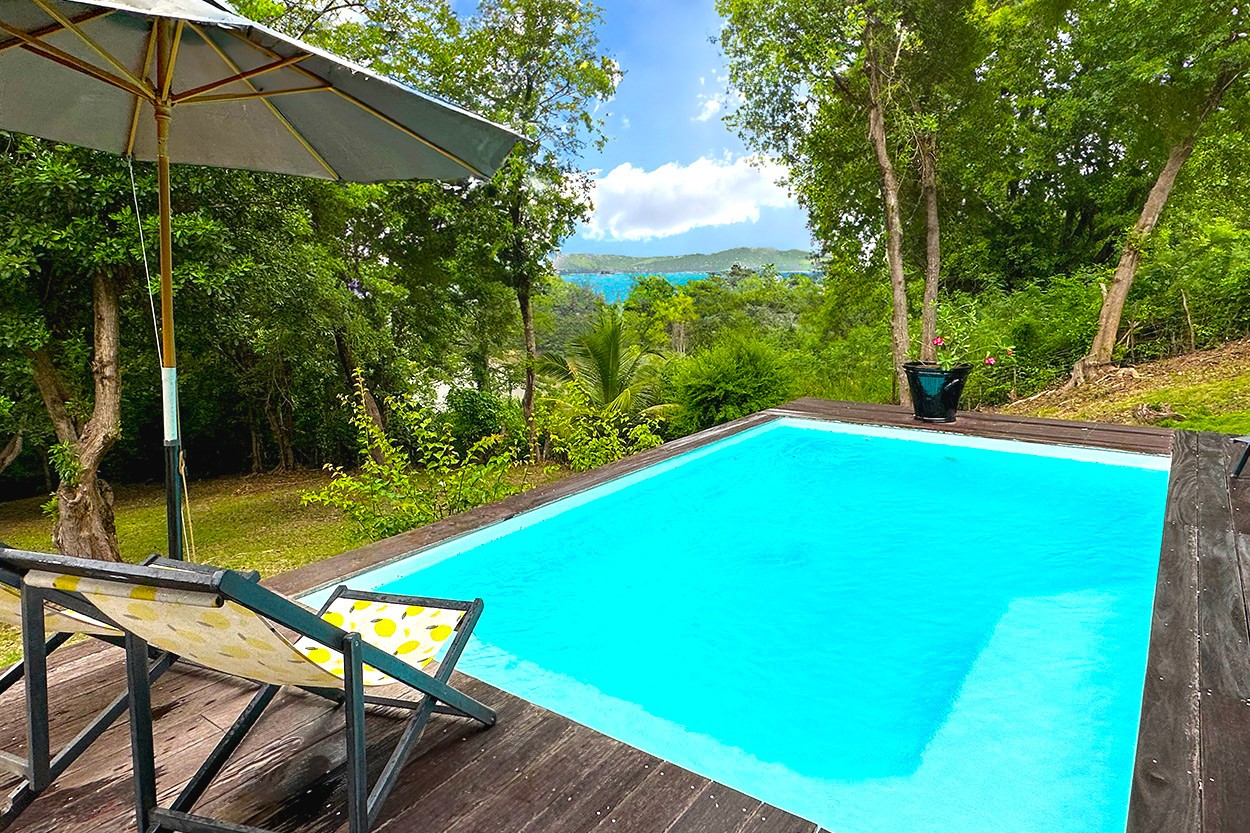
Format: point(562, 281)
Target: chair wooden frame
point(364, 804)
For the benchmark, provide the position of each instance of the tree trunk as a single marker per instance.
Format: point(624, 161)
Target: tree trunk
point(347, 360)
point(1098, 361)
point(927, 146)
point(280, 426)
point(531, 360)
point(258, 448)
point(84, 520)
point(10, 451)
point(84, 523)
point(899, 335)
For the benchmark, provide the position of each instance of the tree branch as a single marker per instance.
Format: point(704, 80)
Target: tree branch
point(55, 394)
point(11, 451)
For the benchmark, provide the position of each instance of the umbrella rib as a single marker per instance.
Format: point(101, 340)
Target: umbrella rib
point(134, 115)
point(276, 112)
point(366, 107)
point(168, 80)
point(53, 28)
point(65, 22)
point(242, 76)
point(217, 99)
point(69, 61)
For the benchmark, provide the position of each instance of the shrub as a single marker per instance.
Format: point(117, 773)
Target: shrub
point(731, 379)
point(473, 415)
point(402, 491)
point(586, 437)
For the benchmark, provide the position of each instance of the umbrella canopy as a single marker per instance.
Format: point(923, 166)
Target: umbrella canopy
point(191, 81)
point(93, 74)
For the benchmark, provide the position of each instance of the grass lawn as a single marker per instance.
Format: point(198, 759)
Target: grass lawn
point(253, 522)
point(1205, 391)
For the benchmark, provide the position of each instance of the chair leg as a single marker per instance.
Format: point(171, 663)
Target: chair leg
point(211, 767)
point(1241, 464)
point(357, 775)
point(35, 658)
point(142, 748)
point(407, 741)
point(104, 720)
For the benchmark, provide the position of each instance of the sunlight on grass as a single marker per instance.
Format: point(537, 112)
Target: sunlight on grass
point(245, 523)
point(239, 522)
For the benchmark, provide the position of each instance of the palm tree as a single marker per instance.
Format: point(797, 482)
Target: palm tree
point(615, 375)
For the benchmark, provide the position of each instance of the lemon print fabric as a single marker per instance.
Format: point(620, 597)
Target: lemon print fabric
point(228, 637)
point(55, 619)
point(412, 633)
point(198, 628)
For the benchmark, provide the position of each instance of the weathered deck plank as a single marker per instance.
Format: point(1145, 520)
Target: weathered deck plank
point(537, 772)
point(1165, 792)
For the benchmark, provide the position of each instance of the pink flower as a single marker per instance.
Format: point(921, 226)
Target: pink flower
point(939, 341)
point(1010, 352)
point(989, 360)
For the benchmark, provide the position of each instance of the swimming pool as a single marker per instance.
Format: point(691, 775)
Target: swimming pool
point(877, 629)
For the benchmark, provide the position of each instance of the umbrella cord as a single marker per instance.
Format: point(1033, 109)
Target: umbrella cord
point(143, 249)
point(156, 333)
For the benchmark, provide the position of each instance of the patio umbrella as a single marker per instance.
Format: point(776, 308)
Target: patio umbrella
point(191, 81)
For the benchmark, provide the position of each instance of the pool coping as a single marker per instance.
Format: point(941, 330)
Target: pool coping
point(1194, 734)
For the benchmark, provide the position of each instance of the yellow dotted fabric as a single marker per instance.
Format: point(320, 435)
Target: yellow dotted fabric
point(412, 633)
point(233, 639)
point(55, 619)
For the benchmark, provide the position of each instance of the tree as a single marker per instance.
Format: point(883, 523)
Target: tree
point(612, 374)
point(812, 75)
point(534, 64)
point(807, 72)
point(539, 67)
point(64, 263)
point(1163, 69)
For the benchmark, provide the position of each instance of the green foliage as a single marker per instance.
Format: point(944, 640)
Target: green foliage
point(608, 372)
point(473, 415)
point(402, 489)
point(733, 378)
point(585, 436)
point(64, 460)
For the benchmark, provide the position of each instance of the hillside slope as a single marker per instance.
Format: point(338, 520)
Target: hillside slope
point(1204, 391)
point(790, 260)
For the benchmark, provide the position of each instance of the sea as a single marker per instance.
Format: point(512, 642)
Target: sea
point(615, 286)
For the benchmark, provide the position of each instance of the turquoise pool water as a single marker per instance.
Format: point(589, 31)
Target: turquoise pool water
point(884, 631)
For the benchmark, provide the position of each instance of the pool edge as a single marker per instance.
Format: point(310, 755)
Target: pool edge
point(1165, 795)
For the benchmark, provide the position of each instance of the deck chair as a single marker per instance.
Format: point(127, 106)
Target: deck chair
point(45, 626)
point(235, 626)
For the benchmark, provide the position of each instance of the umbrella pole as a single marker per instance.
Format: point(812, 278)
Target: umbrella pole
point(169, 366)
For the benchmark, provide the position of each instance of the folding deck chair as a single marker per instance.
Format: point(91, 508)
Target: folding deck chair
point(46, 626)
point(222, 621)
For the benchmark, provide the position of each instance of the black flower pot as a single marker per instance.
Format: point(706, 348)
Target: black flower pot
point(935, 392)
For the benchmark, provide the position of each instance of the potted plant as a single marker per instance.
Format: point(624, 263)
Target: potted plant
point(936, 386)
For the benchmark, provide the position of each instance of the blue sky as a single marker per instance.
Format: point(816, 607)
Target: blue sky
point(674, 179)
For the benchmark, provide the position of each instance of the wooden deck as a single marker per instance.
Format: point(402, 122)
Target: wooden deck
point(537, 771)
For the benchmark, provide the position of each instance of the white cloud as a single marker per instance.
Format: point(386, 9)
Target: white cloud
point(632, 204)
point(711, 106)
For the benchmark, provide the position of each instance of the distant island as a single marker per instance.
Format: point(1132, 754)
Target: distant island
point(789, 260)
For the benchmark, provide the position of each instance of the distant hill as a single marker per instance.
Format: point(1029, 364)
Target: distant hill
point(790, 260)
